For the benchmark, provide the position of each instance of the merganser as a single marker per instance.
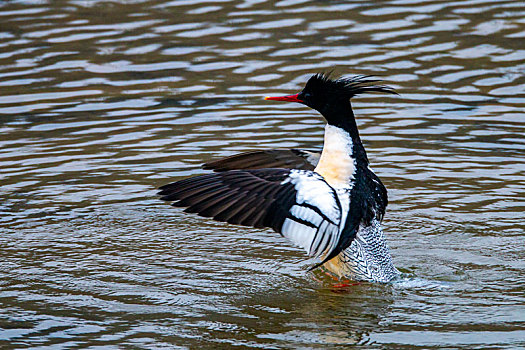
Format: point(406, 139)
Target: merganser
point(331, 204)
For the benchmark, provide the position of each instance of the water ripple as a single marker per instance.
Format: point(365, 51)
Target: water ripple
point(102, 102)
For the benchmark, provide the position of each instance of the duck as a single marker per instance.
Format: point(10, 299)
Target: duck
point(329, 203)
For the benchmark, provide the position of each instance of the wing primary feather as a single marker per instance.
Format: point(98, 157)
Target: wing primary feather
point(232, 210)
point(215, 205)
point(188, 191)
point(241, 216)
point(256, 216)
point(200, 198)
point(184, 182)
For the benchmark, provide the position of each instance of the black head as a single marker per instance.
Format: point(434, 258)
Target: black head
point(322, 93)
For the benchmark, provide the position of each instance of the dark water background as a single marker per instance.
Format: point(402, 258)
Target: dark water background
point(103, 101)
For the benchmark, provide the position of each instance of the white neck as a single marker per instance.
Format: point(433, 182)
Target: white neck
point(336, 164)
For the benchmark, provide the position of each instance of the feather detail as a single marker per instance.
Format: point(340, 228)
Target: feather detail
point(347, 86)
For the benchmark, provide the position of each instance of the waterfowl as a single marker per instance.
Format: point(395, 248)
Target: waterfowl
point(330, 203)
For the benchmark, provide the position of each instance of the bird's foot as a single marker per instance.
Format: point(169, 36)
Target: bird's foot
point(345, 283)
point(342, 283)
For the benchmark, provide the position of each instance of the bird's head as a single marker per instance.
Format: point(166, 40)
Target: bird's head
point(327, 95)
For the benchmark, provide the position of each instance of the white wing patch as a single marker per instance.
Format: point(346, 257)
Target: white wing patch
point(313, 222)
point(306, 214)
point(312, 189)
point(298, 233)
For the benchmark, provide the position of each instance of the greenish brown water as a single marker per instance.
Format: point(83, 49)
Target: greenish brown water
point(101, 102)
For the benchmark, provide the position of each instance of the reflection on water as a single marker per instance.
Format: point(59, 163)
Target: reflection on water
point(102, 102)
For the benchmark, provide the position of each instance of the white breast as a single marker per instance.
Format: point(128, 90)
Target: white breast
point(336, 164)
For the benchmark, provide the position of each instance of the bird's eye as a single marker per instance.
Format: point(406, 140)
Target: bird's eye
point(307, 95)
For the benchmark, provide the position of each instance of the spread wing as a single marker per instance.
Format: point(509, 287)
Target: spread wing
point(299, 204)
point(274, 158)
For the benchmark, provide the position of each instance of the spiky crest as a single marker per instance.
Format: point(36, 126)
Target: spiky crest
point(346, 86)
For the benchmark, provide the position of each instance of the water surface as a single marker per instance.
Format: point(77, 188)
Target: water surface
point(102, 102)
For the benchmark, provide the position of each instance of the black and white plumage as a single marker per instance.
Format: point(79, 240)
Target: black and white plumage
point(330, 203)
point(299, 204)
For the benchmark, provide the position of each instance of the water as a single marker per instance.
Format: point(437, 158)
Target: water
point(102, 102)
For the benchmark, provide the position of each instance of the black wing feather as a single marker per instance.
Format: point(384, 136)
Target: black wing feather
point(274, 158)
point(215, 195)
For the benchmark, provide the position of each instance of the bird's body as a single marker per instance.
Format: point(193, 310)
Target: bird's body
point(330, 204)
